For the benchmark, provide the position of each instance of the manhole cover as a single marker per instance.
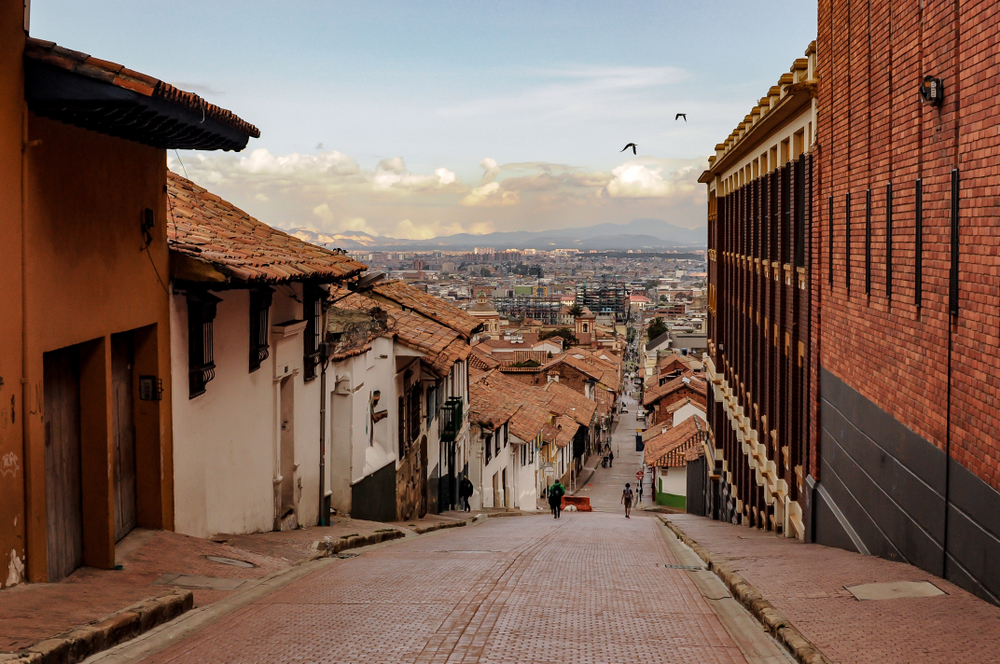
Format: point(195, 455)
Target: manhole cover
point(222, 560)
point(894, 590)
point(689, 567)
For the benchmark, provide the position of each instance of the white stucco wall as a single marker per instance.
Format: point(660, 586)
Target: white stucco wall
point(672, 480)
point(686, 411)
point(225, 440)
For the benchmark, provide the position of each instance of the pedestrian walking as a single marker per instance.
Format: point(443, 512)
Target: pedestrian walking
point(611, 459)
point(627, 500)
point(465, 492)
point(638, 490)
point(556, 492)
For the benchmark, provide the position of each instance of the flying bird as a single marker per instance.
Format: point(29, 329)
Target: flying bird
point(630, 145)
point(681, 115)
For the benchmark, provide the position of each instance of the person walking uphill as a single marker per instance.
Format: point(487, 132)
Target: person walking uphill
point(465, 490)
point(556, 492)
point(627, 500)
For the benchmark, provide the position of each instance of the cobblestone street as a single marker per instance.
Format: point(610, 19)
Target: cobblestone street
point(589, 588)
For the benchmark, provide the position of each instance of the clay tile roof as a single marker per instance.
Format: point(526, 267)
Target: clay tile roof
point(569, 402)
point(680, 403)
point(482, 360)
point(447, 314)
point(528, 421)
point(688, 379)
point(489, 406)
point(203, 227)
point(667, 450)
point(41, 51)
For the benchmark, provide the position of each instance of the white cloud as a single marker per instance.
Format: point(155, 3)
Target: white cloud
point(409, 230)
point(646, 178)
point(490, 194)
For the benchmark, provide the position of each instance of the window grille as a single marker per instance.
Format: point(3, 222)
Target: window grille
point(201, 342)
point(260, 307)
point(953, 272)
point(888, 241)
point(847, 244)
point(312, 311)
point(488, 446)
point(918, 273)
point(868, 241)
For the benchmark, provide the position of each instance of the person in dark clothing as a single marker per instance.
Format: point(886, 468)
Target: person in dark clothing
point(556, 492)
point(465, 492)
point(611, 459)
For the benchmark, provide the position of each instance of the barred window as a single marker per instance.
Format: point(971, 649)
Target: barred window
point(201, 342)
point(260, 307)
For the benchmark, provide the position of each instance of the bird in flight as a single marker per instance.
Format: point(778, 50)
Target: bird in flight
point(630, 145)
point(681, 115)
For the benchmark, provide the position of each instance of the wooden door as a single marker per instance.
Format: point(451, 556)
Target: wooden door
point(63, 481)
point(123, 423)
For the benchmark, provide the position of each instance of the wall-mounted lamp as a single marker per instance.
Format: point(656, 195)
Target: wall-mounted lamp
point(932, 91)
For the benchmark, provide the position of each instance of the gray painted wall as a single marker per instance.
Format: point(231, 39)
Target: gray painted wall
point(882, 492)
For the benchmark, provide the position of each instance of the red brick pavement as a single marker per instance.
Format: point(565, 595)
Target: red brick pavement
point(585, 589)
point(32, 612)
point(807, 583)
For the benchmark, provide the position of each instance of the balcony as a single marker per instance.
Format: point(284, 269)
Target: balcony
point(451, 419)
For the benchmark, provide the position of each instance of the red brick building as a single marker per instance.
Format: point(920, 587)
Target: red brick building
point(906, 374)
point(872, 348)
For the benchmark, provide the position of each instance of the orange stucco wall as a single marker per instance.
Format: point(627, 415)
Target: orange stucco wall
point(12, 551)
point(87, 278)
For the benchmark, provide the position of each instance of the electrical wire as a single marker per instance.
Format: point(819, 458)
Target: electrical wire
point(178, 155)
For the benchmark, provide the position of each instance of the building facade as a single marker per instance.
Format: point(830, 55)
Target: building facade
point(874, 360)
point(905, 244)
point(759, 184)
point(85, 435)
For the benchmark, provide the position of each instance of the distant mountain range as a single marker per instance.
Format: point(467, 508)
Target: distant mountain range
point(645, 234)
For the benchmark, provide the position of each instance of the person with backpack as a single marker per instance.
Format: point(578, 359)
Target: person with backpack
point(465, 490)
point(627, 500)
point(556, 493)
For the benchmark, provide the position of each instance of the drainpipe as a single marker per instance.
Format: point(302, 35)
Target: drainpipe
point(324, 516)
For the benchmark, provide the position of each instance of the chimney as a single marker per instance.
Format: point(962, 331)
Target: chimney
point(553, 376)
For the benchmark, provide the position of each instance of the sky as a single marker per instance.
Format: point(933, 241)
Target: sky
point(417, 119)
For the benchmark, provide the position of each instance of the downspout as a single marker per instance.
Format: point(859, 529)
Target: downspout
point(324, 515)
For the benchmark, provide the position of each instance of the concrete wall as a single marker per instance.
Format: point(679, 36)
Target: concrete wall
point(689, 410)
point(672, 481)
point(12, 457)
point(227, 446)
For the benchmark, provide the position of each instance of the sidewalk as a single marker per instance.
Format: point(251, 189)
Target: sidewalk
point(808, 584)
point(160, 566)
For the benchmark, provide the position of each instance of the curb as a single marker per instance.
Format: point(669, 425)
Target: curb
point(82, 642)
point(331, 547)
point(773, 620)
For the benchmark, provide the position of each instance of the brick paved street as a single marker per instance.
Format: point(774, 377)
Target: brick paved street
point(807, 583)
point(605, 487)
point(585, 589)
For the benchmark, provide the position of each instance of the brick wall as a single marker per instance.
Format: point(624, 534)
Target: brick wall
point(881, 331)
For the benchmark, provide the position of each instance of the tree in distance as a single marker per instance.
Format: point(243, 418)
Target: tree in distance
point(656, 328)
point(564, 332)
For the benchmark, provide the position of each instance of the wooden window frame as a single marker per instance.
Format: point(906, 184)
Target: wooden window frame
point(260, 331)
point(202, 309)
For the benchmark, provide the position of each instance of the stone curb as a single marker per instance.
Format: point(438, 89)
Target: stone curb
point(771, 618)
point(82, 642)
point(333, 547)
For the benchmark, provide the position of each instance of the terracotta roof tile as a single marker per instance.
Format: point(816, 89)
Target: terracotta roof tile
point(572, 403)
point(110, 72)
point(433, 307)
point(687, 379)
point(203, 227)
point(667, 450)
